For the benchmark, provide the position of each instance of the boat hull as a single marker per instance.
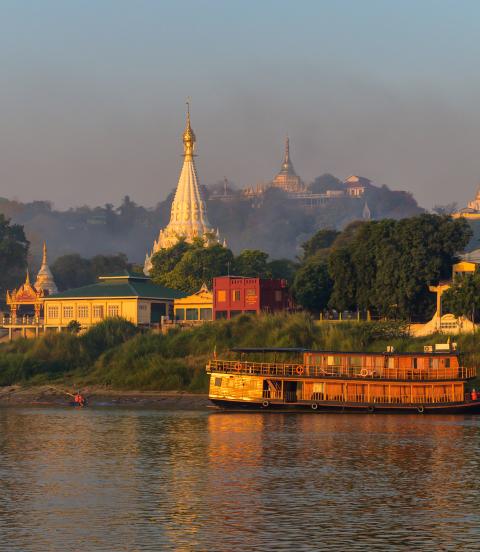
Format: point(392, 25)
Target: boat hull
point(470, 407)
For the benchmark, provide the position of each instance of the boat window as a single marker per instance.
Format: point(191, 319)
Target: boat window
point(218, 382)
point(355, 362)
point(447, 363)
point(334, 361)
point(414, 363)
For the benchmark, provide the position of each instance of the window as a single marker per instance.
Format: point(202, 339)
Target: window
point(113, 310)
point(98, 311)
point(192, 314)
point(236, 295)
point(235, 313)
point(221, 295)
point(53, 312)
point(142, 307)
point(219, 315)
point(205, 314)
point(180, 314)
point(67, 312)
point(218, 382)
point(278, 296)
point(447, 363)
point(82, 311)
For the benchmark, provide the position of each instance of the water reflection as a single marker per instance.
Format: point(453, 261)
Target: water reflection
point(147, 480)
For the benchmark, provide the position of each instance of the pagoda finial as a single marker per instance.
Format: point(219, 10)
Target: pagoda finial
point(27, 279)
point(44, 258)
point(188, 136)
point(287, 150)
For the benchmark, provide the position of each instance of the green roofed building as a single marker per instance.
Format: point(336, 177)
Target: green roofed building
point(129, 295)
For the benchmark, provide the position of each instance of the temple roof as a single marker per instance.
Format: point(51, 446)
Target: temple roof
point(45, 280)
point(287, 178)
point(117, 286)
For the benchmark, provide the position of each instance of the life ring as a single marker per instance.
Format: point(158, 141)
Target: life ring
point(238, 367)
point(265, 404)
point(299, 370)
point(314, 406)
point(420, 409)
point(371, 409)
point(364, 372)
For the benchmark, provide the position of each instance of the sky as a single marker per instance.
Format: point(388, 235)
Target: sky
point(92, 95)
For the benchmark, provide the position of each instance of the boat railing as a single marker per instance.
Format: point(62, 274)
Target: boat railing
point(275, 369)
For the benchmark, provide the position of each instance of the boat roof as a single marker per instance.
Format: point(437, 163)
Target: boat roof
point(329, 352)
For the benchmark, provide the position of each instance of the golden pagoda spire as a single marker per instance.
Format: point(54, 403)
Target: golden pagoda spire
point(189, 137)
point(27, 279)
point(287, 151)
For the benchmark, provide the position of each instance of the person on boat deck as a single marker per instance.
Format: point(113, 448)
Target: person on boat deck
point(474, 395)
point(79, 399)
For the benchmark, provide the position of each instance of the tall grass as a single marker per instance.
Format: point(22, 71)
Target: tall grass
point(116, 354)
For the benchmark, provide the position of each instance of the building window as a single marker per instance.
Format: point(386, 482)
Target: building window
point(82, 311)
point(53, 312)
point(67, 312)
point(221, 295)
point(236, 295)
point(98, 311)
point(142, 307)
point(219, 315)
point(235, 313)
point(180, 314)
point(278, 296)
point(113, 310)
point(205, 314)
point(192, 314)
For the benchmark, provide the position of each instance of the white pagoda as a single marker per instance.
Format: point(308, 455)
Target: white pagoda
point(188, 218)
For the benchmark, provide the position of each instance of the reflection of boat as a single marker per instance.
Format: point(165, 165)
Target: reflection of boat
point(435, 380)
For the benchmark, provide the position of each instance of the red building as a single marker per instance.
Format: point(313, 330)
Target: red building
point(233, 295)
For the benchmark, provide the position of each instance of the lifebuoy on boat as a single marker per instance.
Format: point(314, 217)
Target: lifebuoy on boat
point(238, 366)
point(364, 372)
point(371, 409)
point(314, 406)
point(299, 370)
point(421, 409)
point(265, 404)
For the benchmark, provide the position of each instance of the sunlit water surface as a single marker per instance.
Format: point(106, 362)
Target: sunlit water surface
point(125, 479)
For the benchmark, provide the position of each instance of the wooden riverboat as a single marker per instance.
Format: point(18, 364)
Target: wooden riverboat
point(435, 380)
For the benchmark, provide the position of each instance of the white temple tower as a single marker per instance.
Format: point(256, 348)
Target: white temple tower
point(45, 281)
point(188, 217)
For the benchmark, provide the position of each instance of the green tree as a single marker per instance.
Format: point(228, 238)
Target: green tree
point(13, 254)
point(251, 263)
point(282, 268)
point(197, 265)
point(387, 265)
point(71, 271)
point(312, 285)
point(321, 240)
point(463, 297)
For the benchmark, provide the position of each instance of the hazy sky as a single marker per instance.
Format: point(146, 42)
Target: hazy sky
point(92, 94)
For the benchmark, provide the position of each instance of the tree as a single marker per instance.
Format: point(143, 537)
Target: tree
point(312, 285)
point(13, 254)
point(71, 271)
point(326, 182)
point(463, 297)
point(323, 239)
point(251, 263)
point(282, 268)
point(196, 266)
point(387, 265)
point(165, 260)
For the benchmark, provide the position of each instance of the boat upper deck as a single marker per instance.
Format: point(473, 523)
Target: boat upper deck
point(357, 365)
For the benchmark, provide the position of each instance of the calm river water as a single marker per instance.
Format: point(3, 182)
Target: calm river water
point(125, 479)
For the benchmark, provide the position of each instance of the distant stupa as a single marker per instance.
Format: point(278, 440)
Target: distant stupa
point(45, 281)
point(287, 179)
point(188, 218)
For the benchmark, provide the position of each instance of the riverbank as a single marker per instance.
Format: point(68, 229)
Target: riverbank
point(43, 395)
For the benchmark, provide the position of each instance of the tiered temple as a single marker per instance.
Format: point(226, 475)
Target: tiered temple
point(45, 281)
point(188, 218)
point(287, 179)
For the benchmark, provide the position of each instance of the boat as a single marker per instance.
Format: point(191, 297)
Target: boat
point(435, 380)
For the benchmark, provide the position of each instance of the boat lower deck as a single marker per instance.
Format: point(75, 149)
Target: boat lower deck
point(464, 407)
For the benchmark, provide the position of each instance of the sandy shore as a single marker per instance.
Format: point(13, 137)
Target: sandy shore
point(16, 395)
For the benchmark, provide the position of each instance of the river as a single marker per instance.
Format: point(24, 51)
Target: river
point(123, 479)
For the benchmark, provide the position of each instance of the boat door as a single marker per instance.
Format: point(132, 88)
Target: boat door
point(290, 389)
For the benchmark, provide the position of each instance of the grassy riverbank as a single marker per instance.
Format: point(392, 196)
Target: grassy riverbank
point(116, 355)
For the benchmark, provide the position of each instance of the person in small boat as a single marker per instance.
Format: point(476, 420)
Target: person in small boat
point(79, 399)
